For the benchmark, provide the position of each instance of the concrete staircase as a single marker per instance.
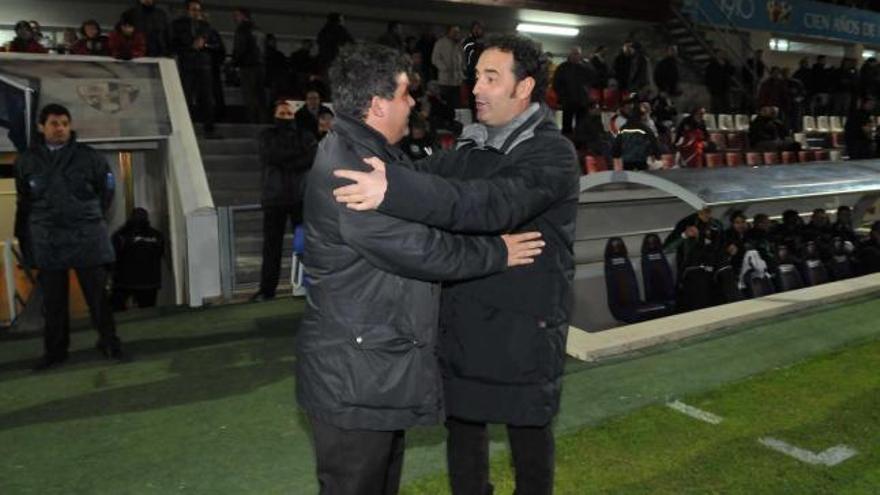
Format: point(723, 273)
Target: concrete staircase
point(233, 169)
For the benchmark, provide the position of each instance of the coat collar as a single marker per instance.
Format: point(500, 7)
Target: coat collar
point(365, 136)
point(520, 129)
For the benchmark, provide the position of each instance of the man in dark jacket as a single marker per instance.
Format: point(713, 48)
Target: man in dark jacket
point(286, 154)
point(859, 130)
point(189, 43)
point(330, 38)
point(502, 341)
point(666, 72)
point(366, 350)
point(307, 116)
point(719, 74)
point(572, 82)
point(153, 22)
point(247, 57)
point(63, 190)
point(139, 250)
point(600, 66)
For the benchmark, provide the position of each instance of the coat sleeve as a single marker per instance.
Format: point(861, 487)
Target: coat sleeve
point(22, 201)
point(541, 177)
point(103, 181)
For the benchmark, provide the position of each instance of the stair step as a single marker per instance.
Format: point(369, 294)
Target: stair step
point(231, 163)
point(229, 146)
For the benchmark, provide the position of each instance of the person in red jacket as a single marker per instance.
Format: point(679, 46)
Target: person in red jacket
point(92, 42)
point(127, 43)
point(24, 41)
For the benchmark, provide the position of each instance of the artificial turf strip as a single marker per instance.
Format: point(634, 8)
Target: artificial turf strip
point(826, 401)
point(207, 406)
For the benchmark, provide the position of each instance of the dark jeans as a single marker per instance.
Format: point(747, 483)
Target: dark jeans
point(199, 90)
point(144, 298)
point(275, 220)
point(56, 288)
point(576, 113)
point(357, 462)
point(467, 456)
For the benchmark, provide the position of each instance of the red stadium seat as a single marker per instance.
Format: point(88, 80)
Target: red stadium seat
point(805, 156)
point(734, 159)
point(593, 164)
point(789, 157)
point(736, 140)
point(754, 158)
point(771, 158)
point(822, 155)
point(610, 98)
point(714, 160)
point(618, 164)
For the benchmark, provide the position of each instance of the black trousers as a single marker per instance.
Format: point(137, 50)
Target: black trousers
point(253, 93)
point(275, 220)
point(144, 298)
point(198, 87)
point(56, 287)
point(572, 112)
point(467, 456)
point(357, 462)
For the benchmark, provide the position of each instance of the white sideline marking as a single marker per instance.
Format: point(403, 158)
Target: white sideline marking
point(830, 457)
point(694, 412)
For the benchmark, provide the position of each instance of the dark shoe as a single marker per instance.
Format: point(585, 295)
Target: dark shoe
point(260, 297)
point(49, 362)
point(113, 353)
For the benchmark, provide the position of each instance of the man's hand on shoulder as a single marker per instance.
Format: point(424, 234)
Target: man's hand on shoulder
point(368, 190)
point(522, 248)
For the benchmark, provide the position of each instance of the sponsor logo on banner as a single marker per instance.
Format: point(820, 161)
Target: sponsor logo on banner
point(108, 97)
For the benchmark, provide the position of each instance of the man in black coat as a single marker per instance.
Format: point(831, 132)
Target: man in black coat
point(719, 74)
point(139, 250)
point(666, 72)
point(366, 349)
point(502, 341)
point(151, 20)
point(247, 57)
point(858, 132)
point(572, 82)
point(307, 116)
point(63, 190)
point(286, 154)
point(189, 43)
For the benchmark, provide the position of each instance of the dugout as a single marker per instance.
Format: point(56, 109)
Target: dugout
point(631, 204)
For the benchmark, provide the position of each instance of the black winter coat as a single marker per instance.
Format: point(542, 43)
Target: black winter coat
point(366, 348)
point(245, 50)
point(61, 200)
point(572, 83)
point(139, 250)
point(184, 32)
point(286, 154)
point(153, 22)
point(502, 337)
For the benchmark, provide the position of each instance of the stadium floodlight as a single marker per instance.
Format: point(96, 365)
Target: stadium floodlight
point(779, 44)
point(869, 53)
point(525, 27)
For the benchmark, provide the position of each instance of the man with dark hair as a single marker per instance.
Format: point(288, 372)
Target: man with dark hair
point(247, 57)
point(572, 82)
point(331, 37)
point(92, 41)
point(63, 190)
point(153, 22)
point(189, 42)
point(666, 72)
point(502, 341)
point(286, 154)
point(307, 116)
point(365, 354)
point(25, 40)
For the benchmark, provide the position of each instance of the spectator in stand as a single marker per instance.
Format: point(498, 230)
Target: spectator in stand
point(152, 21)
point(752, 75)
point(844, 84)
point(790, 233)
point(471, 48)
point(392, 37)
point(307, 116)
point(277, 69)
point(325, 122)
point(719, 74)
point(768, 133)
point(797, 96)
point(420, 68)
point(820, 232)
point(441, 115)
point(600, 67)
point(619, 118)
point(425, 45)
point(820, 77)
point(843, 225)
point(217, 49)
point(138, 271)
point(247, 57)
point(45, 42)
point(636, 144)
point(640, 70)
point(302, 64)
point(804, 75)
point(666, 72)
point(759, 238)
point(691, 137)
point(869, 78)
point(624, 66)
point(735, 239)
point(592, 137)
point(189, 42)
point(774, 92)
point(420, 142)
point(125, 41)
point(24, 41)
point(446, 57)
point(69, 38)
point(330, 38)
point(572, 82)
point(92, 41)
point(859, 130)
point(286, 153)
